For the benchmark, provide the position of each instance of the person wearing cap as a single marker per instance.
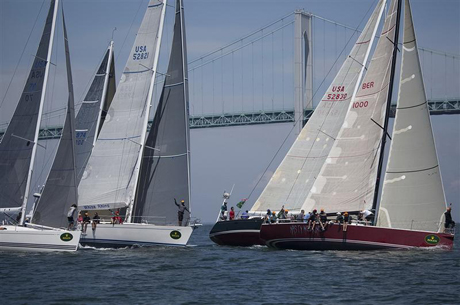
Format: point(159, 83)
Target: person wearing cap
point(116, 219)
point(181, 211)
point(70, 216)
point(273, 217)
point(223, 210)
point(448, 222)
point(86, 221)
point(339, 218)
point(367, 216)
point(346, 219)
point(267, 216)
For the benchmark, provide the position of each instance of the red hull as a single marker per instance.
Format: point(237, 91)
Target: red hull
point(297, 236)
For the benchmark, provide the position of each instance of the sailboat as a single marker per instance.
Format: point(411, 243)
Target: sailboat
point(410, 211)
point(94, 110)
point(137, 175)
point(294, 177)
point(18, 151)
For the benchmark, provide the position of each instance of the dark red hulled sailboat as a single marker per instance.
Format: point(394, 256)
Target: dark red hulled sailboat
point(310, 149)
point(410, 212)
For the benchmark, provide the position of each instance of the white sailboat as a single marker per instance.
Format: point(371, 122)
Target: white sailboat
point(295, 176)
point(129, 172)
point(412, 204)
point(18, 151)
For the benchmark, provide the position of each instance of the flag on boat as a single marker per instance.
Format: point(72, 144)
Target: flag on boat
point(240, 204)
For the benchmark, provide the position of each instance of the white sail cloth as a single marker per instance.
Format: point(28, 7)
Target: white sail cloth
point(109, 176)
point(412, 194)
point(296, 174)
point(348, 177)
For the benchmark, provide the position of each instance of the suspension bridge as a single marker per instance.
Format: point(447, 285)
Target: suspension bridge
point(279, 72)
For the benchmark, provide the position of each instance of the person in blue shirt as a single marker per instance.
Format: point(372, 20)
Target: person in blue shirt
point(245, 215)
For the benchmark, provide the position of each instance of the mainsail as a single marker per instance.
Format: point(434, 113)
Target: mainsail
point(412, 193)
point(348, 177)
point(296, 174)
point(89, 118)
point(61, 186)
point(165, 169)
point(111, 170)
point(16, 148)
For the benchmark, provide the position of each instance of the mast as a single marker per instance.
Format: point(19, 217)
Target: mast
point(40, 111)
point(104, 90)
point(148, 105)
point(387, 113)
point(186, 112)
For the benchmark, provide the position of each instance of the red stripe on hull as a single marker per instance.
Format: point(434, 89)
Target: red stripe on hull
point(297, 236)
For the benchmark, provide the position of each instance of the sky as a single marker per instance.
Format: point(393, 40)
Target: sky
point(221, 157)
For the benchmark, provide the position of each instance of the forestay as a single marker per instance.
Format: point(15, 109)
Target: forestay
point(61, 186)
point(110, 172)
point(412, 194)
point(90, 112)
point(347, 179)
point(165, 169)
point(18, 141)
point(296, 174)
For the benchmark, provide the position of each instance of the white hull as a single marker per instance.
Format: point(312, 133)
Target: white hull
point(107, 235)
point(18, 238)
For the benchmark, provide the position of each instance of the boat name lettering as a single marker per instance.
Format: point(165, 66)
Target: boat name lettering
point(298, 229)
point(140, 53)
point(66, 237)
point(360, 104)
point(432, 239)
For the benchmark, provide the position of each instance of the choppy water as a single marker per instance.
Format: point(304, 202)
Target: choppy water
point(207, 274)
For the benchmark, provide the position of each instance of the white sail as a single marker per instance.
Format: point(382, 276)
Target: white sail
point(348, 177)
point(412, 193)
point(111, 170)
point(296, 174)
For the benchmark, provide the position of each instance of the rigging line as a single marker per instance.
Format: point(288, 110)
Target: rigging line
point(22, 54)
point(241, 47)
point(129, 30)
point(242, 38)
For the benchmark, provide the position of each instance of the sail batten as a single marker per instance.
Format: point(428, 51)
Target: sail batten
point(412, 178)
point(297, 173)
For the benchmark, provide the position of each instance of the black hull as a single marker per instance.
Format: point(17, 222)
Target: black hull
point(238, 232)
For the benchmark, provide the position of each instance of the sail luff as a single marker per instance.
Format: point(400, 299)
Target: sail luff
point(387, 114)
point(186, 102)
point(104, 90)
point(412, 194)
point(40, 112)
point(148, 105)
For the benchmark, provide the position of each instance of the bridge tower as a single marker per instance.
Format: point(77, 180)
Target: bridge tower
point(303, 66)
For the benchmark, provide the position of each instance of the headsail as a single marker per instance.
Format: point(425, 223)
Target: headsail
point(348, 177)
point(89, 121)
point(296, 174)
point(17, 145)
point(412, 193)
point(110, 172)
point(165, 169)
point(61, 185)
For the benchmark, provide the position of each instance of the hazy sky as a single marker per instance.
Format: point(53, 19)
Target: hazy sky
point(221, 157)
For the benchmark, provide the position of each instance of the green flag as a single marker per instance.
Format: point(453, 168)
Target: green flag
point(240, 204)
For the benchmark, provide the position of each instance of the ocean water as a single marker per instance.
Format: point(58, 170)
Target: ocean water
point(205, 273)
